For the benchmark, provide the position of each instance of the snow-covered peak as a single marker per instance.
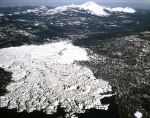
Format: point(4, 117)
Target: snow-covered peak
point(94, 8)
point(97, 8)
point(90, 4)
point(90, 7)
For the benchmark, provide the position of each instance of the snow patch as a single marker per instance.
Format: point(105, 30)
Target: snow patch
point(138, 114)
point(36, 24)
point(120, 9)
point(1, 14)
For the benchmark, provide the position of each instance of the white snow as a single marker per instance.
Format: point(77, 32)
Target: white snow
point(46, 75)
point(43, 8)
point(9, 14)
point(94, 8)
point(90, 7)
point(120, 9)
point(21, 20)
point(34, 11)
point(138, 114)
point(36, 24)
point(16, 13)
point(57, 10)
point(23, 32)
point(1, 14)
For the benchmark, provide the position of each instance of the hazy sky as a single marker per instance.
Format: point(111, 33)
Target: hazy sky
point(104, 1)
point(137, 3)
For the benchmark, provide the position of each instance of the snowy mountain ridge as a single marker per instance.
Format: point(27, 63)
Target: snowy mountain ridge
point(90, 7)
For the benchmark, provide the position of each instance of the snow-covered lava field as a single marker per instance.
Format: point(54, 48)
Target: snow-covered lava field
point(47, 75)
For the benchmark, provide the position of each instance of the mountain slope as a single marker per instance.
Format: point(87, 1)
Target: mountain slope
point(90, 7)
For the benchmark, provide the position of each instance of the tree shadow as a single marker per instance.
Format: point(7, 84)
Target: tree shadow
point(9, 113)
point(5, 79)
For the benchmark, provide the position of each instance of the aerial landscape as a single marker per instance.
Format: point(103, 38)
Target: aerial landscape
point(79, 60)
